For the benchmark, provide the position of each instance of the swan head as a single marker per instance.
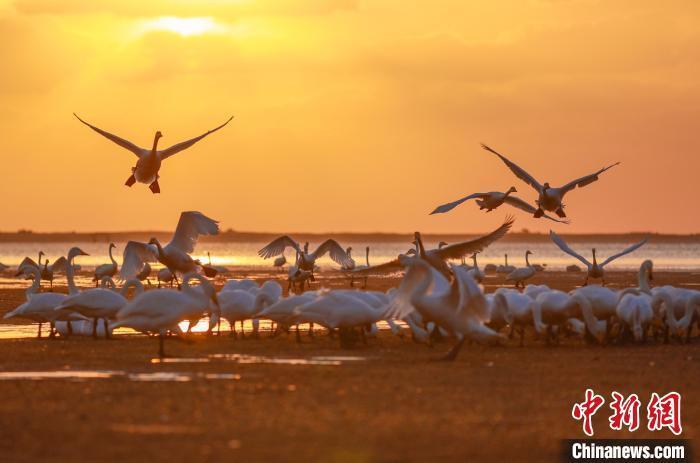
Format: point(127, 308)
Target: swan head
point(546, 186)
point(411, 252)
point(648, 267)
point(112, 245)
point(527, 253)
point(158, 135)
point(441, 244)
point(74, 252)
point(512, 190)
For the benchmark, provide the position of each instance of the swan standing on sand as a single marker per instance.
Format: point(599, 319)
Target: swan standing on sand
point(595, 270)
point(40, 306)
point(519, 275)
point(550, 199)
point(160, 310)
point(492, 200)
point(176, 254)
point(106, 270)
point(680, 328)
point(100, 303)
point(149, 160)
point(46, 271)
point(306, 260)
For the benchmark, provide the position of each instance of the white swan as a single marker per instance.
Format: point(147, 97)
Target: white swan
point(519, 275)
point(164, 275)
point(492, 200)
point(635, 313)
point(474, 271)
point(106, 270)
point(39, 307)
point(160, 310)
point(306, 260)
point(460, 308)
point(680, 328)
point(149, 160)
point(519, 309)
point(505, 268)
point(552, 308)
point(550, 199)
point(176, 254)
point(47, 271)
point(100, 303)
point(595, 270)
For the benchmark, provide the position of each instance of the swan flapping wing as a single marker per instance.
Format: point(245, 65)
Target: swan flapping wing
point(277, 247)
point(565, 247)
point(527, 207)
point(472, 302)
point(400, 305)
point(136, 254)
point(335, 251)
point(632, 248)
point(118, 140)
point(449, 206)
point(516, 169)
point(27, 262)
point(166, 153)
point(189, 227)
point(381, 269)
point(467, 248)
point(587, 180)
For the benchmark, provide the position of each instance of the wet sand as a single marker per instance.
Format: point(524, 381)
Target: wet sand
point(391, 404)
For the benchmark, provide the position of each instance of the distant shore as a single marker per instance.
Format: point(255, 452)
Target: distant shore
point(24, 236)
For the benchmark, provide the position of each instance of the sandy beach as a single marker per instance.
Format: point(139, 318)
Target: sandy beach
point(225, 399)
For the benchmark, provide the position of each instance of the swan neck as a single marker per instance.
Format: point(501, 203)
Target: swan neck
point(70, 276)
point(643, 279)
point(155, 143)
point(527, 259)
point(110, 255)
point(419, 292)
point(36, 283)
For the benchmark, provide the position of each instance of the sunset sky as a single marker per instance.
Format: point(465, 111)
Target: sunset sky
point(349, 115)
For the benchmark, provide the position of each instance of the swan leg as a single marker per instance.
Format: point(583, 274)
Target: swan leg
point(452, 354)
point(70, 328)
point(161, 346)
point(311, 330)
point(38, 334)
point(298, 336)
point(154, 187)
point(130, 181)
point(560, 212)
point(94, 328)
point(106, 325)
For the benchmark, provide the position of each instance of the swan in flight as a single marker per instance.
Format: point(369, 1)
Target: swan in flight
point(149, 160)
point(306, 259)
point(160, 310)
point(493, 200)
point(595, 270)
point(438, 257)
point(550, 198)
point(175, 255)
point(106, 270)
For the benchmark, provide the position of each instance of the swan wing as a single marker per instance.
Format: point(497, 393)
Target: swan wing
point(449, 206)
point(471, 299)
point(166, 153)
point(118, 140)
point(466, 248)
point(59, 265)
point(565, 247)
point(516, 169)
point(527, 207)
point(587, 180)
point(632, 248)
point(386, 267)
point(29, 262)
point(189, 227)
point(335, 251)
point(401, 306)
point(277, 247)
point(136, 254)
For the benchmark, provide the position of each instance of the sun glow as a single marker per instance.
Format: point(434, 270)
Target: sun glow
point(184, 26)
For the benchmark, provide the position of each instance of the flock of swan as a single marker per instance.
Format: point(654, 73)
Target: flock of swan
point(437, 297)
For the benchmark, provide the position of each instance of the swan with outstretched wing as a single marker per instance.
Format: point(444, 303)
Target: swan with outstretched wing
point(550, 198)
point(307, 260)
point(595, 270)
point(176, 254)
point(149, 160)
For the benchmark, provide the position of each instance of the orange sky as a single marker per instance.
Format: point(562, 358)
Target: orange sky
point(350, 115)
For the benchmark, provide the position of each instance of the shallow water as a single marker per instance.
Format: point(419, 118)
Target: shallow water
point(83, 375)
point(243, 255)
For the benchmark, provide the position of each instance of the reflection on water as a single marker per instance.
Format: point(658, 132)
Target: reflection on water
point(258, 359)
point(243, 255)
point(83, 375)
